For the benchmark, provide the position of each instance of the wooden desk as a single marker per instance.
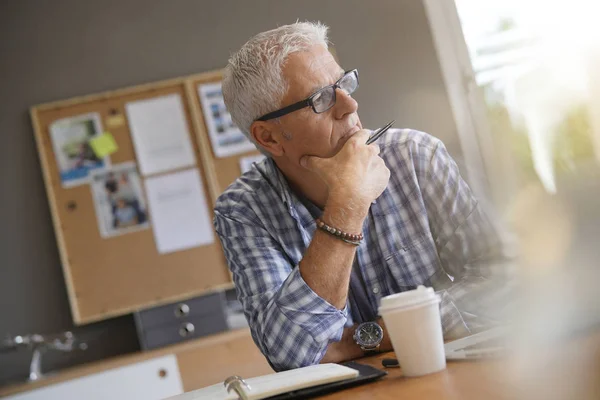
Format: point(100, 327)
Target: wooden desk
point(460, 380)
point(570, 371)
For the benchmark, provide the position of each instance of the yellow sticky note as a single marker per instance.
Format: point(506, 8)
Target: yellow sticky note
point(104, 145)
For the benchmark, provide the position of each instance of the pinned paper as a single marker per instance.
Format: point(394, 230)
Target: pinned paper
point(180, 214)
point(115, 121)
point(119, 200)
point(226, 138)
point(160, 132)
point(75, 157)
point(104, 145)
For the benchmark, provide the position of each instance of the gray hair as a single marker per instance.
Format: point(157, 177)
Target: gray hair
point(253, 84)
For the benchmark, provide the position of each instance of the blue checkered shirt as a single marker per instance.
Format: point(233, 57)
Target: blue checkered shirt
point(425, 229)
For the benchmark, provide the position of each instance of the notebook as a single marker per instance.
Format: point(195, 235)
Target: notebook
point(293, 384)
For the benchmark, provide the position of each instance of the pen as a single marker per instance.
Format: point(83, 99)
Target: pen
point(380, 132)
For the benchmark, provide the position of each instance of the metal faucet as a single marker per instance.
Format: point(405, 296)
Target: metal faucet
point(39, 344)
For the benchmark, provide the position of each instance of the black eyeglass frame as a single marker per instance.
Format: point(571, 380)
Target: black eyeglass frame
point(308, 102)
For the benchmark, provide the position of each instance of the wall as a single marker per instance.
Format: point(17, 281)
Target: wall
point(65, 48)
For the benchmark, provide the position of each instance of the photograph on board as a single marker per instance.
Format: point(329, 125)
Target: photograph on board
point(119, 200)
point(75, 157)
point(226, 138)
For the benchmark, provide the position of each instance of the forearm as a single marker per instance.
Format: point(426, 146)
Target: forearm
point(347, 349)
point(290, 322)
point(294, 327)
point(327, 262)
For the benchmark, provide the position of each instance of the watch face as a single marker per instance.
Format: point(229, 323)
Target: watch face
point(369, 334)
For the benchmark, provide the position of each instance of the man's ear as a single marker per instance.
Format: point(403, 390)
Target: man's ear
point(268, 135)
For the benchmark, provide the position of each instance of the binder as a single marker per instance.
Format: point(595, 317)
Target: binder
point(300, 383)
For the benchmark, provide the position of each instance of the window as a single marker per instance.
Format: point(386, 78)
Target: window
point(520, 74)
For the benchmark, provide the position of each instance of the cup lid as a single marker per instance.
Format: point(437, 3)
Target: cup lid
point(409, 298)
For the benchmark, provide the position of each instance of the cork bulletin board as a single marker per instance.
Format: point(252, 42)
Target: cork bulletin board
point(109, 275)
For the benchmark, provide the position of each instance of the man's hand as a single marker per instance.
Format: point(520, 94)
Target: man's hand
point(355, 176)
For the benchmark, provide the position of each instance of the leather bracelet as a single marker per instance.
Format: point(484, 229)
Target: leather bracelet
point(338, 233)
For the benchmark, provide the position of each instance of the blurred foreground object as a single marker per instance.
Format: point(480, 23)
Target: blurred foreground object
point(557, 337)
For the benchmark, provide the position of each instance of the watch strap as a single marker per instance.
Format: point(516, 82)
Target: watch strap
point(371, 349)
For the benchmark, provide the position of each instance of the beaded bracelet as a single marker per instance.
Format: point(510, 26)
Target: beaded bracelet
point(346, 237)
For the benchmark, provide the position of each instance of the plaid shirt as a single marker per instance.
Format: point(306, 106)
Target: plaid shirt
point(425, 229)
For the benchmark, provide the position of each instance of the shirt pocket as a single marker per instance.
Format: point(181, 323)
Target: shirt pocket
point(416, 263)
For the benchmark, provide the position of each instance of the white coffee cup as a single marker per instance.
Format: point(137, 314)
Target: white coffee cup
point(412, 320)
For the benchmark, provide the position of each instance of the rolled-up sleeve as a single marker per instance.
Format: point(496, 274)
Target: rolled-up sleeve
point(289, 322)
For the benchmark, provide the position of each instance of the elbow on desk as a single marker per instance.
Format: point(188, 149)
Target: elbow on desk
point(291, 351)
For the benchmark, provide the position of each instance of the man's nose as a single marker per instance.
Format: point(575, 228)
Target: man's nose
point(344, 104)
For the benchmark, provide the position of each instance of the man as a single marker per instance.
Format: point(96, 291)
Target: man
point(391, 215)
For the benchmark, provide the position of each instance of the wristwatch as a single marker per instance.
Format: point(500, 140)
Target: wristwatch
point(368, 336)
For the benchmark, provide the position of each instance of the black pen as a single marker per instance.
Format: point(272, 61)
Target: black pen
point(379, 132)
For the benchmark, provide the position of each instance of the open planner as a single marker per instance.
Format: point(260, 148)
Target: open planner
point(293, 384)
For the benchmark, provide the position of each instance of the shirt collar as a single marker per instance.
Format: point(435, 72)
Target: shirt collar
point(294, 204)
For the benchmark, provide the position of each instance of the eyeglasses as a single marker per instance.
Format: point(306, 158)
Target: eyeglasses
point(322, 100)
